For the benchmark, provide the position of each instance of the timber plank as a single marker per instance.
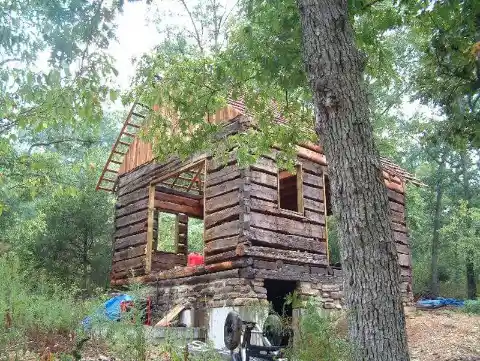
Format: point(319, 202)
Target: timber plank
point(224, 215)
point(132, 272)
point(401, 248)
point(221, 245)
point(314, 156)
point(132, 197)
point(128, 253)
point(398, 227)
point(273, 239)
point(173, 198)
point(394, 186)
point(404, 260)
point(269, 253)
point(314, 205)
point(286, 225)
point(136, 262)
point(396, 197)
point(139, 216)
point(177, 208)
point(131, 230)
point(262, 178)
point(215, 164)
point(222, 188)
point(130, 241)
point(313, 180)
point(262, 192)
point(267, 207)
point(400, 237)
point(398, 217)
point(224, 201)
point(220, 257)
point(132, 208)
point(312, 193)
point(315, 217)
point(223, 230)
point(222, 176)
point(266, 165)
point(396, 207)
point(311, 167)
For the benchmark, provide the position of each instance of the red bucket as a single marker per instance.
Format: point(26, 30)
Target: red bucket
point(195, 259)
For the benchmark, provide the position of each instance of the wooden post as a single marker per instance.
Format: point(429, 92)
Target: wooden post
point(326, 221)
point(204, 202)
point(300, 189)
point(151, 212)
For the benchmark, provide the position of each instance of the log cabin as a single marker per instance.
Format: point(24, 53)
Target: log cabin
point(264, 228)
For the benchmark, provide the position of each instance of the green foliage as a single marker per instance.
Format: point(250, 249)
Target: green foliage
point(195, 235)
point(317, 338)
point(472, 306)
point(166, 232)
point(333, 240)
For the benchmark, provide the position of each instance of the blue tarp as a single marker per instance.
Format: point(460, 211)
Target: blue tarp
point(109, 311)
point(440, 302)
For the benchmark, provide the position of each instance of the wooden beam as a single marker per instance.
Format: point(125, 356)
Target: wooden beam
point(151, 211)
point(194, 177)
point(326, 221)
point(188, 166)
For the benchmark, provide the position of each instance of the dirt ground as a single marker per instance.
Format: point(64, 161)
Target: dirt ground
point(443, 335)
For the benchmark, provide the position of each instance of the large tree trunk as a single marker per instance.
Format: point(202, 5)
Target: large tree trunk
point(470, 267)
point(372, 277)
point(434, 283)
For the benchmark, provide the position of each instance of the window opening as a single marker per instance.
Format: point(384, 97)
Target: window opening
point(167, 232)
point(195, 235)
point(290, 192)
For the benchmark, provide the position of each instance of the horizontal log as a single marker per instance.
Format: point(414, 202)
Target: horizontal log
point(391, 177)
point(220, 257)
point(130, 241)
point(315, 217)
point(262, 178)
point(144, 170)
point(215, 164)
point(287, 226)
point(314, 205)
point(311, 167)
point(132, 272)
point(313, 180)
point(167, 189)
point(262, 192)
point(131, 230)
point(221, 202)
point(269, 253)
point(224, 215)
point(311, 155)
point(212, 176)
point(178, 198)
point(223, 230)
point(177, 208)
point(312, 193)
point(166, 260)
point(221, 245)
point(394, 186)
point(222, 188)
point(401, 248)
point(399, 227)
point(193, 274)
point(400, 237)
point(396, 207)
point(133, 197)
point(273, 239)
point(396, 197)
point(131, 218)
point(404, 260)
point(129, 253)
point(132, 208)
point(136, 262)
point(282, 275)
point(266, 207)
point(266, 165)
point(397, 217)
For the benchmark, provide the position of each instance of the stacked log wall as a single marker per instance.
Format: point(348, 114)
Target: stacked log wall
point(277, 234)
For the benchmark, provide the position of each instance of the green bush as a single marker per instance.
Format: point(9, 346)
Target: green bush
point(317, 338)
point(472, 306)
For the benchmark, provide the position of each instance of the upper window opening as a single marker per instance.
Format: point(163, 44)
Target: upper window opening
point(167, 232)
point(290, 190)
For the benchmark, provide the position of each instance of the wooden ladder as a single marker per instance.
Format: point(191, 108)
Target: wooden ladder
point(130, 128)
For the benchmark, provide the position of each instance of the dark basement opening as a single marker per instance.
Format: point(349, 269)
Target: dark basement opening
point(276, 293)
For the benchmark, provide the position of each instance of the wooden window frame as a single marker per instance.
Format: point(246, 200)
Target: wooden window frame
point(151, 205)
point(300, 204)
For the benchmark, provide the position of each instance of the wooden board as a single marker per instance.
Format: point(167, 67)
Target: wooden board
point(130, 241)
point(223, 230)
point(224, 215)
point(170, 316)
point(286, 225)
point(221, 202)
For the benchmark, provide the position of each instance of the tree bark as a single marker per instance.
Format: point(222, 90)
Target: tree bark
point(372, 276)
point(469, 264)
point(434, 282)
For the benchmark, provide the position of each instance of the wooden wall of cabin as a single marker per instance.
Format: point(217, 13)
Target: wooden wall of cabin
point(131, 214)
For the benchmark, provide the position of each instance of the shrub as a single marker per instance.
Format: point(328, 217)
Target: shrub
point(317, 338)
point(472, 306)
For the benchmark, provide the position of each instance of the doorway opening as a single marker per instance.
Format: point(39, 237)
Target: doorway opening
point(277, 291)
